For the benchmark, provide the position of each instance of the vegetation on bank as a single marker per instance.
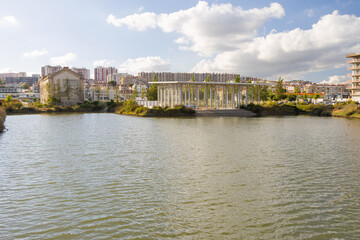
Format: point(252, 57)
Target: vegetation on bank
point(36, 107)
point(2, 119)
point(132, 108)
point(349, 109)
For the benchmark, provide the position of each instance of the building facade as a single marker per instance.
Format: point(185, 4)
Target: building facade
point(19, 80)
point(198, 77)
point(100, 73)
point(355, 75)
point(64, 87)
point(82, 71)
point(46, 70)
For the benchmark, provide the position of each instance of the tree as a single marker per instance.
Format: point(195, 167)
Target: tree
point(279, 90)
point(143, 92)
point(297, 89)
point(264, 93)
point(305, 96)
point(316, 96)
point(152, 92)
point(25, 85)
point(134, 93)
point(237, 79)
point(207, 79)
point(8, 98)
point(291, 97)
point(193, 78)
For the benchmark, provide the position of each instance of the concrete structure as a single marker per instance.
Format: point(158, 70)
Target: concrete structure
point(116, 77)
point(207, 95)
point(82, 71)
point(330, 91)
point(100, 73)
point(355, 75)
point(5, 75)
point(65, 87)
point(198, 77)
point(46, 70)
point(20, 80)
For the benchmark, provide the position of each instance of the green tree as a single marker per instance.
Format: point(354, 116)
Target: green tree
point(134, 93)
point(152, 92)
point(291, 97)
point(279, 90)
point(264, 93)
point(8, 98)
point(316, 96)
point(207, 79)
point(25, 86)
point(193, 78)
point(305, 96)
point(237, 79)
point(297, 89)
point(143, 92)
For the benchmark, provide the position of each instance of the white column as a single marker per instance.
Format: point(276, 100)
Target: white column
point(181, 93)
point(172, 96)
point(204, 96)
point(168, 97)
point(197, 96)
point(211, 97)
point(246, 96)
point(218, 93)
point(233, 97)
point(189, 100)
point(226, 96)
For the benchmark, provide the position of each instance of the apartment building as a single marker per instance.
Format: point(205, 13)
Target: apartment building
point(198, 77)
point(46, 70)
point(82, 71)
point(100, 73)
point(355, 75)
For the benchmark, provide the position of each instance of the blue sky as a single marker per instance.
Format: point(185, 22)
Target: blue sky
point(295, 39)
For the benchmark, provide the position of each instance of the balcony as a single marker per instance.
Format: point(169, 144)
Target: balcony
point(353, 68)
point(357, 60)
point(353, 75)
point(351, 55)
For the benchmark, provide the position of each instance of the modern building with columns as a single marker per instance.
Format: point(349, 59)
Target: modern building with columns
point(207, 95)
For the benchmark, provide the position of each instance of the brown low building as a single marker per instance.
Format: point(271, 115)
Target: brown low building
point(64, 87)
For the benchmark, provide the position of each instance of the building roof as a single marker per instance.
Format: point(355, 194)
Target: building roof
point(65, 69)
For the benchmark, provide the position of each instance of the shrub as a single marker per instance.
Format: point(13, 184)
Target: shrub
point(2, 119)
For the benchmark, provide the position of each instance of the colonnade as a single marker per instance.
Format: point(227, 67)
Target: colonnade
point(206, 96)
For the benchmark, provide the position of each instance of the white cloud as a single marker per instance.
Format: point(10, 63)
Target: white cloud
point(103, 62)
point(292, 53)
point(335, 79)
point(6, 70)
point(8, 21)
point(146, 64)
point(309, 12)
point(140, 9)
point(181, 40)
point(210, 29)
point(35, 53)
point(63, 60)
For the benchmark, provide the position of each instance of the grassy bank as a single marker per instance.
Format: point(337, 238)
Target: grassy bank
point(132, 108)
point(87, 106)
point(349, 110)
point(2, 119)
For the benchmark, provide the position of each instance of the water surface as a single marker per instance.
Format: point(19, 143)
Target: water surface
point(106, 176)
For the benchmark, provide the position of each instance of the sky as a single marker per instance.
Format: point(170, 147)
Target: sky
point(298, 39)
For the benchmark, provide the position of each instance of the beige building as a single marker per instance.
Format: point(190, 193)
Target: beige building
point(355, 75)
point(64, 87)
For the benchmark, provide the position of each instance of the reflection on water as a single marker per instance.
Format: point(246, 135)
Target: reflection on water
point(103, 176)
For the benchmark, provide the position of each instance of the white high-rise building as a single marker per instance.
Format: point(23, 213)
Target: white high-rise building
point(46, 70)
point(82, 71)
point(355, 76)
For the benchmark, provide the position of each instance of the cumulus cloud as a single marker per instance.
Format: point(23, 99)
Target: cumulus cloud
point(146, 64)
point(210, 29)
point(63, 60)
point(6, 70)
point(335, 79)
point(292, 53)
point(35, 53)
point(103, 62)
point(8, 21)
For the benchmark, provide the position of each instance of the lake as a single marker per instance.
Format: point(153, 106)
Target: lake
point(107, 176)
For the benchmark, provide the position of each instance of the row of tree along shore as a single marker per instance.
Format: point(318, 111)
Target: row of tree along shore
point(2, 119)
point(348, 109)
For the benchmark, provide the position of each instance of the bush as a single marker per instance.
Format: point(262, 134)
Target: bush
point(2, 119)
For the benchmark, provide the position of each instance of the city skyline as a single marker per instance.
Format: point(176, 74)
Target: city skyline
point(306, 40)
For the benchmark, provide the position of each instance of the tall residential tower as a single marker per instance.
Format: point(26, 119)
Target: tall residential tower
point(355, 75)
